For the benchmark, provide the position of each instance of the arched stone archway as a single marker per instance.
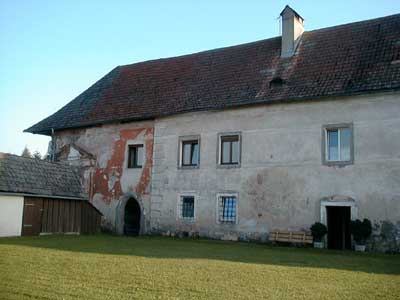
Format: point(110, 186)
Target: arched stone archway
point(132, 218)
point(129, 215)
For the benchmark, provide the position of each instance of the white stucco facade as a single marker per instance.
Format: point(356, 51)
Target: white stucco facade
point(11, 213)
point(282, 181)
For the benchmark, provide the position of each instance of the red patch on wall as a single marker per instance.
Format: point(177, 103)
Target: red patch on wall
point(107, 181)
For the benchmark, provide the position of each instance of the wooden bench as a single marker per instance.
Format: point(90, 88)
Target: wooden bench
point(299, 237)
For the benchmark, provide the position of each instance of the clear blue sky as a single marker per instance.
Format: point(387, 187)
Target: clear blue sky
point(51, 51)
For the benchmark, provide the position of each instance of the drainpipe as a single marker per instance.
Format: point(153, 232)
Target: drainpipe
point(53, 150)
point(117, 221)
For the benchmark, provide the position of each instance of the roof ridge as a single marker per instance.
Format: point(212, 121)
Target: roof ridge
point(200, 52)
point(253, 42)
point(361, 22)
point(6, 154)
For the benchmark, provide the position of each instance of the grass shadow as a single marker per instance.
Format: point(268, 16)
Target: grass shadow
point(163, 247)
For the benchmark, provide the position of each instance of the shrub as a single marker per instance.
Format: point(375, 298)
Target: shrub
point(361, 230)
point(318, 231)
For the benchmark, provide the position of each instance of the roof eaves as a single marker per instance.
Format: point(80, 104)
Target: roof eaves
point(82, 198)
point(245, 104)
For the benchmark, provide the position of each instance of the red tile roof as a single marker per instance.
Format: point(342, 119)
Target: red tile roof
point(349, 59)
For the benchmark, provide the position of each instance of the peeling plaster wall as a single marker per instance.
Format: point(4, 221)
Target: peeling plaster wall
point(281, 180)
point(106, 177)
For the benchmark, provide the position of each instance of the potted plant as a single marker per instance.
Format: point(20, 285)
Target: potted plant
point(361, 231)
point(318, 231)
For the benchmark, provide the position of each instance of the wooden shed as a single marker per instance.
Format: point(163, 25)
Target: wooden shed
point(42, 197)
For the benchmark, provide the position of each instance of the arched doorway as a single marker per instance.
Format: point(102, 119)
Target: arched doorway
point(132, 218)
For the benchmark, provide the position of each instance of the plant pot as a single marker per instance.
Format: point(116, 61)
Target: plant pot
point(318, 245)
point(359, 248)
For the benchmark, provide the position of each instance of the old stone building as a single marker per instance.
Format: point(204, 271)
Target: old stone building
point(235, 142)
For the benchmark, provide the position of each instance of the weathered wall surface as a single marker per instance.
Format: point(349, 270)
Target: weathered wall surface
point(11, 211)
point(102, 154)
point(281, 180)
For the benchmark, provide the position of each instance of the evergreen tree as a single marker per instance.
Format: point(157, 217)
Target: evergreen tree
point(26, 153)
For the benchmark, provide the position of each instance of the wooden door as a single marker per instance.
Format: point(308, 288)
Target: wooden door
point(32, 220)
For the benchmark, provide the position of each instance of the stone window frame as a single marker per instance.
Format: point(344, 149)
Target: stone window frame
point(324, 140)
point(219, 150)
point(342, 202)
point(218, 208)
point(181, 140)
point(179, 206)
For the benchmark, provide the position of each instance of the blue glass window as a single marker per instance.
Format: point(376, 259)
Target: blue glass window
point(228, 209)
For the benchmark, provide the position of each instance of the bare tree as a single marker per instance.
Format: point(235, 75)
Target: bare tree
point(37, 155)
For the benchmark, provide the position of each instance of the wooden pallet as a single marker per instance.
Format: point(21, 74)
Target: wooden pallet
point(301, 237)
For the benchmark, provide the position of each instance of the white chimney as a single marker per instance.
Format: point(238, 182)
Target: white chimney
point(292, 29)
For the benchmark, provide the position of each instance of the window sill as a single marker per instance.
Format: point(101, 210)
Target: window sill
point(337, 163)
point(187, 220)
point(227, 223)
point(188, 167)
point(134, 168)
point(228, 166)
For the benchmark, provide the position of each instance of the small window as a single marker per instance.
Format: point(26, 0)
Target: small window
point(338, 145)
point(186, 208)
point(230, 150)
point(227, 209)
point(135, 156)
point(190, 153)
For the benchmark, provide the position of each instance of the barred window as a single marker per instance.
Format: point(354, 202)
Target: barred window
point(186, 207)
point(227, 209)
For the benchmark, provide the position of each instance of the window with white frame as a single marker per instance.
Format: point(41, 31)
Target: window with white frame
point(338, 144)
point(227, 209)
point(186, 206)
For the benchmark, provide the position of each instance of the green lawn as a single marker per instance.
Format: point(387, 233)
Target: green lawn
point(109, 267)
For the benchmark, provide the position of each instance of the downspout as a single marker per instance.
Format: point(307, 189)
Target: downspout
point(117, 217)
point(53, 150)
